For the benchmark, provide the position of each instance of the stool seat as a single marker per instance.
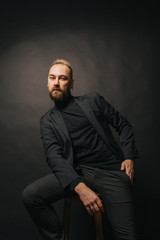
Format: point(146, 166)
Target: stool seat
point(66, 218)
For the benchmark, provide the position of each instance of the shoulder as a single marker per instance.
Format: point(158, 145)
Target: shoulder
point(92, 95)
point(47, 115)
point(94, 98)
point(98, 102)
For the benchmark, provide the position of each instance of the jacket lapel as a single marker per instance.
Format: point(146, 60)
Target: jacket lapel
point(60, 124)
point(92, 118)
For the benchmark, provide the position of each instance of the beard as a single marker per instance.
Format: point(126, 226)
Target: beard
point(59, 95)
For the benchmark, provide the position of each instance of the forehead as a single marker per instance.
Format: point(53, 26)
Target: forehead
point(59, 69)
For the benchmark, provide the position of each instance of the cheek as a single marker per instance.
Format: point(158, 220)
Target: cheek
point(64, 86)
point(50, 84)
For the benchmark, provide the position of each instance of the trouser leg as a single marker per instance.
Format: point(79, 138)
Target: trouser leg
point(116, 193)
point(37, 198)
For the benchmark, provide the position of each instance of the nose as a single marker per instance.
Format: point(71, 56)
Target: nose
point(56, 81)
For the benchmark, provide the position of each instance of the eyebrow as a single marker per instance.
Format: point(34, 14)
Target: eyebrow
point(58, 75)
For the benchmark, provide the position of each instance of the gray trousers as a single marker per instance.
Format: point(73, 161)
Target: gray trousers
point(115, 190)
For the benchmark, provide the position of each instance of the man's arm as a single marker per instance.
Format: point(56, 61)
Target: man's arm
point(55, 158)
point(123, 128)
point(63, 170)
point(126, 136)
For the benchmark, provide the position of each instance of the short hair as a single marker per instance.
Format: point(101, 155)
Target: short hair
point(65, 62)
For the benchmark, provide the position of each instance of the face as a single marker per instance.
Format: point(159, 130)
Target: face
point(59, 82)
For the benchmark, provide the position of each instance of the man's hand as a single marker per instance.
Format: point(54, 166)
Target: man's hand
point(127, 165)
point(89, 198)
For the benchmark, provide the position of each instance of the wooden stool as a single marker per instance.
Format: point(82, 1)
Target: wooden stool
point(66, 218)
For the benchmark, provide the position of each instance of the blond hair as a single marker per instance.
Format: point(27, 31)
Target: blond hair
point(65, 62)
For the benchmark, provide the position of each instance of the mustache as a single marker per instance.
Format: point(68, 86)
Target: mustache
point(56, 89)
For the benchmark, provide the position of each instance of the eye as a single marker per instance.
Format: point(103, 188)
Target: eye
point(63, 78)
point(51, 77)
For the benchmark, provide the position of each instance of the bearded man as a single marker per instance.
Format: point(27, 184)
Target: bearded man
point(84, 158)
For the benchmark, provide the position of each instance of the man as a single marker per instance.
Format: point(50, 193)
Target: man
point(84, 158)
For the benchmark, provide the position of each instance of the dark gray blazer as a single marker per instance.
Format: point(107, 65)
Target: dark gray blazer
point(57, 143)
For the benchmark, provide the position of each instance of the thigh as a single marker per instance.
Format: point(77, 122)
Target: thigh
point(48, 189)
point(116, 193)
point(87, 175)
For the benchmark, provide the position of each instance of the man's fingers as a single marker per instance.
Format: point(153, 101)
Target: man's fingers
point(92, 208)
point(128, 166)
point(95, 207)
point(122, 167)
point(89, 210)
point(130, 174)
point(100, 205)
point(102, 208)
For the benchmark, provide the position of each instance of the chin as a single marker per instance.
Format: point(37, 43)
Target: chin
point(57, 97)
point(57, 94)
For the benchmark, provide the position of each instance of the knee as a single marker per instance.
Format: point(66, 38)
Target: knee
point(29, 197)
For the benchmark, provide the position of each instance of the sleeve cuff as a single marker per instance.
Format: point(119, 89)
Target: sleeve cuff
point(74, 183)
point(131, 158)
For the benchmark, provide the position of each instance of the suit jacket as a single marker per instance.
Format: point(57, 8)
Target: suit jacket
point(57, 143)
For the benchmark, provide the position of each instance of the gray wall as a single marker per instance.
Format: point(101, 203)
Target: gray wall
point(114, 50)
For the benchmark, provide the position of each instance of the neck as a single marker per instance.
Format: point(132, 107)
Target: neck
point(64, 102)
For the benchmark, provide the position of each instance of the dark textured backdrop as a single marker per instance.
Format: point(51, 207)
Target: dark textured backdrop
point(114, 49)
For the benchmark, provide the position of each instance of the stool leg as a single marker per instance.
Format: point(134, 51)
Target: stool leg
point(98, 226)
point(66, 217)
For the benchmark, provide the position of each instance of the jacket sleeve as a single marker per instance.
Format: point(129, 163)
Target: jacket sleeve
point(63, 170)
point(123, 127)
